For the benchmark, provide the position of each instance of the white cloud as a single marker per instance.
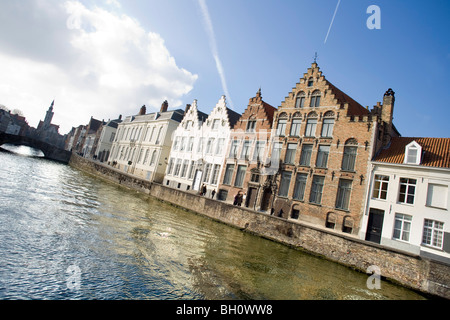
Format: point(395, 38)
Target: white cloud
point(108, 65)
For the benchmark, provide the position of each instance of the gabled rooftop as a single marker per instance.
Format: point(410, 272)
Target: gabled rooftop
point(435, 151)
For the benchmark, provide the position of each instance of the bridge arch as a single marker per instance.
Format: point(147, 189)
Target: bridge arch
point(50, 152)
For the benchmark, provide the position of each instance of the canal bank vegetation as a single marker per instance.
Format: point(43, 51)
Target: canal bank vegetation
point(411, 271)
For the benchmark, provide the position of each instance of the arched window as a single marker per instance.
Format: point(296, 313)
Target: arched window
point(315, 99)
point(281, 126)
point(328, 124)
point(331, 220)
point(347, 226)
point(296, 124)
point(300, 100)
point(311, 125)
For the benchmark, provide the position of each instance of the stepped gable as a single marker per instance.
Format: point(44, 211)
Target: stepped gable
point(268, 110)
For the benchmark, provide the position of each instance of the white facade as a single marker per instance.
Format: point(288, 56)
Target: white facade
point(142, 144)
point(106, 140)
point(408, 208)
point(199, 148)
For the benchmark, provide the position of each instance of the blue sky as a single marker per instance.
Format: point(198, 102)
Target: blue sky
point(93, 56)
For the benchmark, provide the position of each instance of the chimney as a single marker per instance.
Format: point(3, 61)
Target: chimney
point(387, 114)
point(188, 106)
point(143, 110)
point(164, 106)
point(120, 117)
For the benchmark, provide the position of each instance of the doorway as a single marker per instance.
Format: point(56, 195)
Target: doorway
point(375, 225)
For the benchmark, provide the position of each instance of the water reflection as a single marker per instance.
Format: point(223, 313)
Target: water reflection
point(130, 246)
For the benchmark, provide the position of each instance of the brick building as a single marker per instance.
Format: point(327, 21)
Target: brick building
point(247, 152)
point(321, 147)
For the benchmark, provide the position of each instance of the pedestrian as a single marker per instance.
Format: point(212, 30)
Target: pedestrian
point(203, 190)
point(236, 199)
point(213, 193)
point(239, 199)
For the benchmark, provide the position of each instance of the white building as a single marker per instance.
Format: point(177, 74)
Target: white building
point(199, 148)
point(106, 140)
point(407, 205)
point(143, 143)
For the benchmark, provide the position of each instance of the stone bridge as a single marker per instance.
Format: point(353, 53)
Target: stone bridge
point(50, 152)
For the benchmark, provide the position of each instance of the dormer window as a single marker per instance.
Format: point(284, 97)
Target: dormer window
point(413, 152)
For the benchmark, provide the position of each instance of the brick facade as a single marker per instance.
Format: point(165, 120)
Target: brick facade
point(337, 138)
point(251, 133)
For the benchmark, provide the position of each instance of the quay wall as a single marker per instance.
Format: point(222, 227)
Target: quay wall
point(412, 271)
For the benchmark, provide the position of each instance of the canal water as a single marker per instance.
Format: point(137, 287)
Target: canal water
point(67, 235)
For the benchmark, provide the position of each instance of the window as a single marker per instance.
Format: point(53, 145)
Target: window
point(315, 99)
point(413, 153)
point(176, 143)
point(349, 158)
point(147, 153)
point(290, 153)
point(433, 233)
point(327, 128)
point(295, 213)
point(343, 195)
point(209, 146)
point(228, 174)
point(234, 149)
point(245, 153)
point(259, 150)
point(322, 156)
point(311, 125)
point(184, 168)
point(158, 138)
point(310, 82)
point(215, 175)
point(305, 158)
point(191, 170)
point(331, 220)
point(380, 187)
point(316, 189)
point(177, 168)
point(402, 227)
point(207, 172)
point(251, 125)
point(219, 148)
point(300, 101)
point(285, 182)
point(276, 153)
point(153, 159)
point(300, 185)
point(170, 166)
point(201, 142)
point(295, 127)
point(190, 144)
point(240, 176)
point(215, 125)
point(437, 196)
point(407, 190)
point(281, 128)
point(255, 177)
point(183, 144)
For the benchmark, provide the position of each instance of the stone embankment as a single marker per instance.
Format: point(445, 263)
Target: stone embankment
point(415, 272)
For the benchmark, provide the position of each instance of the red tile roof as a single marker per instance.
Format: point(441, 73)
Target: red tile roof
point(435, 151)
